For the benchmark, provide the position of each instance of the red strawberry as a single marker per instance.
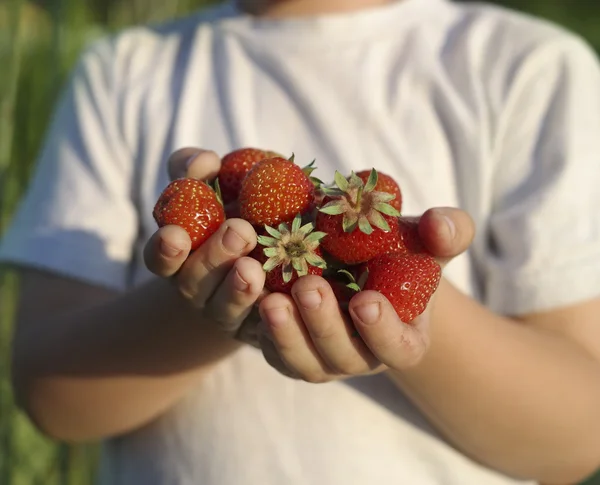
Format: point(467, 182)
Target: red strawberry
point(407, 280)
point(234, 167)
point(387, 184)
point(288, 254)
point(407, 237)
point(274, 191)
point(348, 216)
point(192, 205)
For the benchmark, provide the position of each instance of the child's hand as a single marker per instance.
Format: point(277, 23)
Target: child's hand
point(307, 336)
point(217, 278)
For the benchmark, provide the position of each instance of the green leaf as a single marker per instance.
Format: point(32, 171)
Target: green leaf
point(356, 181)
point(382, 196)
point(347, 274)
point(379, 221)
point(271, 264)
point(364, 225)
point(273, 232)
point(303, 271)
point(350, 222)
point(271, 252)
point(306, 229)
point(372, 181)
point(288, 272)
point(387, 209)
point(341, 181)
point(297, 223)
point(333, 208)
point(292, 158)
point(297, 264)
point(317, 182)
point(353, 287)
point(332, 191)
point(267, 241)
point(218, 191)
point(315, 237)
point(315, 260)
point(309, 169)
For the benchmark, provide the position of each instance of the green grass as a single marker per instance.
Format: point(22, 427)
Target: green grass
point(38, 47)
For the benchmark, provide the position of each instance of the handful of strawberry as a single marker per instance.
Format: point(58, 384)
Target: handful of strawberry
point(350, 232)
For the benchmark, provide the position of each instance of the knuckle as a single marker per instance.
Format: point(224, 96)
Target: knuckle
point(321, 330)
point(409, 347)
point(187, 292)
point(210, 263)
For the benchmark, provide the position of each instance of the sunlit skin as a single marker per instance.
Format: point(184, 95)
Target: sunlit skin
point(102, 350)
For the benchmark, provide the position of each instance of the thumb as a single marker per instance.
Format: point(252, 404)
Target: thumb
point(194, 163)
point(446, 232)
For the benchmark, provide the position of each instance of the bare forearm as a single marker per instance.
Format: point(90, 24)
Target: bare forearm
point(520, 400)
point(104, 370)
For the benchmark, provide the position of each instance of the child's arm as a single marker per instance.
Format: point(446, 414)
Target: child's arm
point(520, 396)
point(89, 362)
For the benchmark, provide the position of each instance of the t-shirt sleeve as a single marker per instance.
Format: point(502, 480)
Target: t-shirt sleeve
point(77, 217)
point(544, 232)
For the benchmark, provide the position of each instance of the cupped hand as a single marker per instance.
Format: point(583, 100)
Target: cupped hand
point(307, 336)
point(218, 278)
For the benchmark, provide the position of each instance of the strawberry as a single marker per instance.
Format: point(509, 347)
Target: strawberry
point(407, 237)
point(289, 254)
point(387, 184)
point(235, 166)
point(407, 280)
point(348, 216)
point(193, 205)
point(274, 191)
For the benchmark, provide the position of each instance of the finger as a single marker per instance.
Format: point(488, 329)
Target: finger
point(232, 301)
point(167, 250)
point(394, 343)
point(331, 332)
point(193, 163)
point(446, 232)
point(205, 269)
point(248, 330)
point(272, 356)
point(291, 339)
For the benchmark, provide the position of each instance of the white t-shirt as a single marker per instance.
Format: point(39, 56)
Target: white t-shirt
point(466, 105)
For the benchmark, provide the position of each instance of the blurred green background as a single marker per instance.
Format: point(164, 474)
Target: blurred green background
point(39, 42)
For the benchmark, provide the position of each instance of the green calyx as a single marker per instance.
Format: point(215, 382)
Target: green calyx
point(308, 170)
point(217, 188)
point(354, 285)
point(294, 249)
point(358, 202)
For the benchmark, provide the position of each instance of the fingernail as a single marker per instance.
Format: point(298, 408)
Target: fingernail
point(278, 316)
point(169, 251)
point(451, 227)
point(233, 242)
point(190, 160)
point(309, 299)
point(239, 283)
point(368, 313)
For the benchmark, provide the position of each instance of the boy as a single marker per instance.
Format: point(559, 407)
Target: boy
point(122, 337)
